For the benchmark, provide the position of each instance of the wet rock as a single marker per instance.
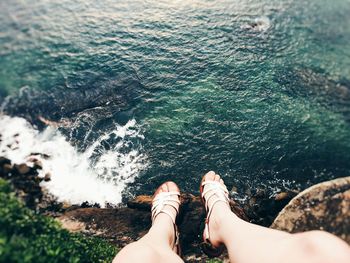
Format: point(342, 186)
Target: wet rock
point(38, 164)
point(42, 155)
point(248, 192)
point(7, 168)
point(260, 193)
point(325, 206)
point(48, 205)
point(26, 183)
point(262, 209)
point(87, 204)
point(4, 160)
point(21, 168)
point(234, 189)
point(260, 24)
point(32, 158)
point(47, 177)
point(281, 196)
point(142, 202)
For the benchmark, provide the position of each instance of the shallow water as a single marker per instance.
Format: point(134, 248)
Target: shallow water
point(256, 90)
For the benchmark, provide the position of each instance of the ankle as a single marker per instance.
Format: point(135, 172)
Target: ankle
point(163, 224)
point(221, 215)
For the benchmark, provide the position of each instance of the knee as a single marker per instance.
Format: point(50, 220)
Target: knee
point(312, 242)
point(135, 252)
point(320, 246)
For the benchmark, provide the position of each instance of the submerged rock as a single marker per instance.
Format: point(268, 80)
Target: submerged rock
point(324, 206)
point(110, 94)
point(316, 85)
point(260, 24)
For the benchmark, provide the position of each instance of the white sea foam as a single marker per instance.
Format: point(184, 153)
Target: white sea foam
point(95, 175)
point(260, 24)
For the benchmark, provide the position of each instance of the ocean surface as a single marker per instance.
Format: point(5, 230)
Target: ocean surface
point(139, 92)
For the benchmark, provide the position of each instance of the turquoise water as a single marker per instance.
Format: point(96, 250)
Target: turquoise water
point(257, 90)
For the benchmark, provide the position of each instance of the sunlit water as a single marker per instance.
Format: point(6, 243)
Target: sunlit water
point(258, 91)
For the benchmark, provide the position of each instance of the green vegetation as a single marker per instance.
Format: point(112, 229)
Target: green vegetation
point(29, 237)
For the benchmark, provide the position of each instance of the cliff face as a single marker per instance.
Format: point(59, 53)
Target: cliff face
point(324, 206)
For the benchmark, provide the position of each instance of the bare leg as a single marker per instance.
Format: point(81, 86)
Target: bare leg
point(249, 243)
point(157, 244)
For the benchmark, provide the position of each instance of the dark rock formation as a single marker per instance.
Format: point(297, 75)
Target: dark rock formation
point(26, 183)
point(262, 209)
point(24, 179)
point(127, 224)
point(325, 206)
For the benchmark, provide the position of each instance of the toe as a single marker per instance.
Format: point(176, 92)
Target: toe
point(163, 188)
point(171, 186)
point(217, 178)
point(210, 176)
point(167, 187)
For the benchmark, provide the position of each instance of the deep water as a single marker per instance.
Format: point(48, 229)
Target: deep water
point(257, 90)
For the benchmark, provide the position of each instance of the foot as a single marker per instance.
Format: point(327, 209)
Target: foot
point(220, 209)
point(165, 208)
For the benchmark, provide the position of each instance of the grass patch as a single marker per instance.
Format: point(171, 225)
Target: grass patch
point(29, 237)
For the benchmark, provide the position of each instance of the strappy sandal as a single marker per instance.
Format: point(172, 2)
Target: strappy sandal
point(160, 200)
point(218, 193)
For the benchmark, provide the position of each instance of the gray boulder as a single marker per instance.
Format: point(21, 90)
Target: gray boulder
point(324, 206)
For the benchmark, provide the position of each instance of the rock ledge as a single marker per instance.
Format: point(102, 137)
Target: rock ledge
point(324, 206)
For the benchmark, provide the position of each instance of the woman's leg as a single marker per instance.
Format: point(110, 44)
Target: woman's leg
point(249, 243)
point(157, 244)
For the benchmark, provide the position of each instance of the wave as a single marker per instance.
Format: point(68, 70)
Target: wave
point(99, 174)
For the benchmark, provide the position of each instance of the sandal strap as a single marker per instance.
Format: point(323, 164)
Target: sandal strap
point(214, 190)
point(219, 193)
point(159, 202)
point(166, 198)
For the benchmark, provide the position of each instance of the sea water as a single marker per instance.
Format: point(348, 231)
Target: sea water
point(139, 92)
